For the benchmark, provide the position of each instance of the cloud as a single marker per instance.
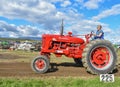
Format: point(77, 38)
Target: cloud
point(40, 12)
point(7, 27)
point(11, 30)
point(115, 10)
point(86, 26)
point(54, 1)
point(43, 12)
point(66, 3)
point(46, 14)
point(114, 36)
point(77, 27)
point(92, 4)
point(28, 30)
point(36, 11)
point(80, 1)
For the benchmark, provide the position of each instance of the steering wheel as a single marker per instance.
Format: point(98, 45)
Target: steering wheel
point(90, 35)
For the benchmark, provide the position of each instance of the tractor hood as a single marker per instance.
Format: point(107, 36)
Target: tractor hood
point(64, 38)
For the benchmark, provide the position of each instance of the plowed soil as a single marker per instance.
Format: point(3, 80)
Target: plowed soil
point(22, 69)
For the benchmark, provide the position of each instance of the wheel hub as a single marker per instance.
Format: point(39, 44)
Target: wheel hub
point(40, 64)
point(100, 57)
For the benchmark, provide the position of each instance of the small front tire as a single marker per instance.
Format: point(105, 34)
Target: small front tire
point(40, 64)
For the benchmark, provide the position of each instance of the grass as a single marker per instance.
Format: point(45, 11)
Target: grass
point(57, 82)
point(26, 56)
point(118, 54)
point(17, 56)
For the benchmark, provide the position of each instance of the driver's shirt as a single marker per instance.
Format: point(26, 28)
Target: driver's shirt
point(99, 37)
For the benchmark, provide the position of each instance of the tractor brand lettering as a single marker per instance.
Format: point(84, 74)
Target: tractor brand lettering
point(59, 51)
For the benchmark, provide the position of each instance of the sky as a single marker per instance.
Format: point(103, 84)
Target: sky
point(32, 18)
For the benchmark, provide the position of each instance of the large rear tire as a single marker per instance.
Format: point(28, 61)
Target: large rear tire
point(40, 64)
point(99, 57)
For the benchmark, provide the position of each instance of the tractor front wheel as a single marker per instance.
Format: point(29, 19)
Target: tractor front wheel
point(40, 64)
point(99, 57)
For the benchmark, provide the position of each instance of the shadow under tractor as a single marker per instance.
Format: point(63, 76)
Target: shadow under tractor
point(97, 56)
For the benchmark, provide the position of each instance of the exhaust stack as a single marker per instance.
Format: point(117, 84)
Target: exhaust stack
point(62, 28)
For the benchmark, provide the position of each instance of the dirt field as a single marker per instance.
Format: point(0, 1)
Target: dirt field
point(23, 69)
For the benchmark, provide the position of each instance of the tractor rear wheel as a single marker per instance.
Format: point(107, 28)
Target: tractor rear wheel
point(40, 64)
point(78, 61)
point(99, 57)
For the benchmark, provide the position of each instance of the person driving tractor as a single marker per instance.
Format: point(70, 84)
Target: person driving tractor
point(99, 33)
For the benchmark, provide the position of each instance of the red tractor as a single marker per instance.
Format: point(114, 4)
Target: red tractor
point(97, 56)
